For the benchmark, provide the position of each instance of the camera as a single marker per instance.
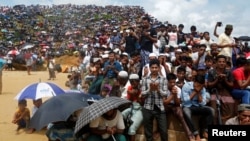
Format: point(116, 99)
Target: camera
point(219, 23)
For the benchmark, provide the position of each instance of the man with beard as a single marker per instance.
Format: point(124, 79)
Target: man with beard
point(226, 42)
point(221, 79)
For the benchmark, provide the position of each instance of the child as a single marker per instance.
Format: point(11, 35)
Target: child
point(105, 91)
point(37, 103)
point(181, 72)
point(22, 115)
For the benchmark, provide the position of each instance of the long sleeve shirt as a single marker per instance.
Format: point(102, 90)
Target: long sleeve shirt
point(187, 90)
point(153, 98)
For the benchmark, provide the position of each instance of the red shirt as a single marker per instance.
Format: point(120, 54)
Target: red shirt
point(239, 74)
point(134, 97)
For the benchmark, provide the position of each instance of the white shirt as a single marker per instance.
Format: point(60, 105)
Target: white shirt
point(172, 38)
point(52, 63)
point(124, 90)
point(224, 40)
point(207, 43)
point(163, 72)
point(102, 123)
point(178, 94)
point(157, 50)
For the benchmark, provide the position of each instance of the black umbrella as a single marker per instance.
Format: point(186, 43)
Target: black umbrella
point(244, 38)
point(97, 109)
point(59, 108)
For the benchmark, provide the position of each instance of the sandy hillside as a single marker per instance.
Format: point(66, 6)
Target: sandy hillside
point(13, 82)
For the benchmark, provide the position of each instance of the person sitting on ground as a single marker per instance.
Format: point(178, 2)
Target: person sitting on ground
point(22, 115)
point(109, 125)
point(63, 130)
point(37, 103)
point(243, 117)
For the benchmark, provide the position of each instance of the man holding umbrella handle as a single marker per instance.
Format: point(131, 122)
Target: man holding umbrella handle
point(109, 126)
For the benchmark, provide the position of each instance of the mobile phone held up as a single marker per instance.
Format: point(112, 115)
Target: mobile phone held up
point(219, 24)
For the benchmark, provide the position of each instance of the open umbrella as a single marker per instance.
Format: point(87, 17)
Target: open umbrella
point(97, 109)
point(59, 108)
point(28, 46)
point(39, 90)
point(244, 38)
point(13, 52)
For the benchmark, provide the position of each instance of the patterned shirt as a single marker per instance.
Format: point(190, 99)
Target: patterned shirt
point(153, 98)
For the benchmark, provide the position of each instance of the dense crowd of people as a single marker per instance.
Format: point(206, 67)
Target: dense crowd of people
point(155, 65)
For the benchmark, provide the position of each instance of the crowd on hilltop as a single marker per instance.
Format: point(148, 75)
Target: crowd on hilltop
point(127, 53)
point(57, 30)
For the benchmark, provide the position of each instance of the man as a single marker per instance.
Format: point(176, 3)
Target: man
point(148, 37)
point(163, 37)
point(194, 103)
point(181, 34)
point(111, 70)
point(134, 63)
point(130, 41)
point(107, 126)
point(115, 39)
point(183, 61)
point(207, 41)
point(226, 42)
point(120, 86)
point(173, 101)
point(154, 90)
point(200, 62)
point(241, 82)
point(2, 66)
point(243, 117)
point(173, 36)
point(222, 80)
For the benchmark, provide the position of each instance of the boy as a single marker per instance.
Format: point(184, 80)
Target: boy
point(22, 115)
point(37, 103)
point(180, 81)
point(105, 91)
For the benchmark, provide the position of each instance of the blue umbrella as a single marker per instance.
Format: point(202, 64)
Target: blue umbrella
point(59, 108)
point(39, 90)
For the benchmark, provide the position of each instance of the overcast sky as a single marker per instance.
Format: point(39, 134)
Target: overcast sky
point(202, 13)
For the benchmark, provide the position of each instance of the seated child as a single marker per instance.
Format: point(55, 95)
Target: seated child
point(37, 103)
point(105, 91)
point(22, 115)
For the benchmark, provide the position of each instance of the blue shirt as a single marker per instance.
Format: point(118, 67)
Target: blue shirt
point(187, 90)
point(2, 63)
point(111, 73)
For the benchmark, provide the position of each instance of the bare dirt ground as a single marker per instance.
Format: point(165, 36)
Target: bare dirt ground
point(13, 82)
